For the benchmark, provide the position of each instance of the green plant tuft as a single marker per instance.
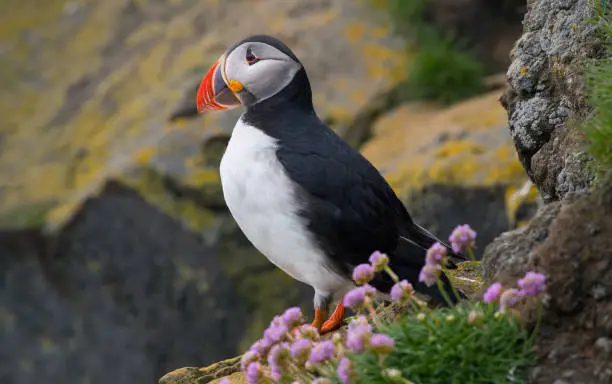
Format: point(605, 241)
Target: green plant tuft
point(442, 69)
point(598, 88)
point(494, 349)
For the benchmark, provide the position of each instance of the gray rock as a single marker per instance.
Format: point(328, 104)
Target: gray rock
point(545, 89)
point(115, 298)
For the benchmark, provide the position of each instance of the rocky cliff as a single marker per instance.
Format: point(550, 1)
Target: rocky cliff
point(119, 259)
point(570, 237)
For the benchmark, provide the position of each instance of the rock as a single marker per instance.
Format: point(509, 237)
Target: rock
point(114, 298)
point(560, 242)
point(105, 79)
point(451, 166)
point(570, 238)
point(210, 374)
point(604, 344)
point(546, 89)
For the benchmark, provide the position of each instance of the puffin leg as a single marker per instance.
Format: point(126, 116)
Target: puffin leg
point(336, 319)
point(321, 303)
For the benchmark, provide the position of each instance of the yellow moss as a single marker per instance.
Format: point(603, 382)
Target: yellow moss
point(516, 196)
point(451, 148)
point(125, 110)
point(145, 155)
point(355, 31)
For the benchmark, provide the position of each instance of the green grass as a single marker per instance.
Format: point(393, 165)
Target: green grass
point(439, 351)
point(442, 69)
point(598, 88)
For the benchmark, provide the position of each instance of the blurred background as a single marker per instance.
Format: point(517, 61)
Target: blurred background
point(118, 258)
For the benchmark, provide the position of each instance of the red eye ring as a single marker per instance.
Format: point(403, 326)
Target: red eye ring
point(250, 57)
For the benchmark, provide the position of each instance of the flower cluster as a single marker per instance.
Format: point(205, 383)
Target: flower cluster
point(362, 296)
point(434, 259)
point(303, 353)
point(290, 352)
point(462, 238)
point(532, 284)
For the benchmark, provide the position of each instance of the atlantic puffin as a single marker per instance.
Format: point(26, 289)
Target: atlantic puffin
point(307, 200)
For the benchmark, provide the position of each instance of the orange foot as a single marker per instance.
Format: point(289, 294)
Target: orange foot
point(335, 321)
point(319, 318)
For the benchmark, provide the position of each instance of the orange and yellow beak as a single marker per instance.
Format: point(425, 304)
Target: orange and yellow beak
point(214, 93)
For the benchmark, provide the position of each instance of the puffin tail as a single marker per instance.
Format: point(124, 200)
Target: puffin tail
point(406, 261)
point(423, 238)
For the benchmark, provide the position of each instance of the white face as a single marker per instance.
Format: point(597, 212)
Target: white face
point(262, 70)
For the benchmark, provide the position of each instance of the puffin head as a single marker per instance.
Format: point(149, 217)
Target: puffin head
point(254, 70)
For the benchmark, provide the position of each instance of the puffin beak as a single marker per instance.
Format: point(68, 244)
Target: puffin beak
point(214, 93)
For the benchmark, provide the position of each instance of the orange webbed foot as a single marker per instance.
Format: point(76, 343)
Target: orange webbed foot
point(335, 321)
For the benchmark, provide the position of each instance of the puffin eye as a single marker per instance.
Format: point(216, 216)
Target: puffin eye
point(250, 57)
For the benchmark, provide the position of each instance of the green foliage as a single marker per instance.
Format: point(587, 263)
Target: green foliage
point(442, 69)
point(445, 348)
point(598, 76)
point(443, 73)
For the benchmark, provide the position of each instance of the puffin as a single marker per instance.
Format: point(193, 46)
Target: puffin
point(306, 199)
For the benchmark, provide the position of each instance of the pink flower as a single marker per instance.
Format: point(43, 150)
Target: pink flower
point(381, 344)
point(462, 237)
point(345, 371)
point(292, 317)
point(401, 291)
point(321, 352)
point(356, 297)
point(532, 284)
point(429, 274)
point(358, 337)
point(300, 350)
point(493, 293)
point(254, 373)
point(363, 273)
point(435, 254)
point(508, 299)
point(379, 261)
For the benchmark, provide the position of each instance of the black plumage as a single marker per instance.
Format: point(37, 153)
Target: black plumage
point(350, 208)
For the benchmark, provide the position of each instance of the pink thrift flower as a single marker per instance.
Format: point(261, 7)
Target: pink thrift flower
point(363, 273)
point(345, 371)
point(355, 297)
point(292, 317)
point(379, 261)
point(321, 352)
point(462, 237)
point(358, 336)
point(300, 350)
point(435, 254)
point(493, 293)
point(532, 284)
point(248, 357)
point(508, 299)
point(429, 274)
point(381, 344)
point(254, 373)
point(401, 291)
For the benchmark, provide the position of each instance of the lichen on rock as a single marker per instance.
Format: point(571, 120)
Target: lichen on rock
point(546, 90)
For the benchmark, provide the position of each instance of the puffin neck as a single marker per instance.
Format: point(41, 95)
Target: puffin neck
point(296, 95)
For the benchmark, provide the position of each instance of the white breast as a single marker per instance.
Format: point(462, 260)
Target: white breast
point(261, 199)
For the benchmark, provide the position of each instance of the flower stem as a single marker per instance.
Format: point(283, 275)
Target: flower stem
point(443, 292)
point(538, 321)
point(368, 304)
point(471, 253)
point(391, 273)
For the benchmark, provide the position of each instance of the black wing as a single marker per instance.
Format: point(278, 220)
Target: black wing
point(349, 206)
